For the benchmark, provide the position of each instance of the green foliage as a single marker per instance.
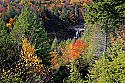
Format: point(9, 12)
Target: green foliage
point(42, 43)
point(75, 76)
point(105, 12)
point(54, 44)
point(3, 36)
point(110, 67)
point(2, 24)
point(94, 37)
point(101, 14)
point(22, 25)
point(11, 12)
point(29, 26)
point(8, 53)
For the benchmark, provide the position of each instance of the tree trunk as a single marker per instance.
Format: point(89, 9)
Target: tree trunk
point(106, 36)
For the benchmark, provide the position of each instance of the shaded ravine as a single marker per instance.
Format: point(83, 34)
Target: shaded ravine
point(68, 33)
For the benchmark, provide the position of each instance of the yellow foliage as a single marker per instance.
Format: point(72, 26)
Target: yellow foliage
point(21, 2)
point(10, 23)
point(51, 9)
point(28, 54)
point(84, 4)
point(74, 1)
point(3, 0)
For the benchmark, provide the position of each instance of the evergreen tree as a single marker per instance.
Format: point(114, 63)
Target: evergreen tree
point(3, 36)
point(8, 52)
point(54, 44)
point(11, 11)
point(110, 67)
point(75, 76)
point(30, 26)
point(21, 26)
point(107, 13)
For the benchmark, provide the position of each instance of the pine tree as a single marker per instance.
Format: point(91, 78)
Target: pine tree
point(75, 76)
point(107, 13)
point(11, 11)
point(3, 36)
point(54, 44)
point(21, 26)
point(30, 26)
point(110, 67)
point(8, 52)
point(42, 43)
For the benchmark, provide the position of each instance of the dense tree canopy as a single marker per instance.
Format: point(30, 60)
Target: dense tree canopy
point(38, 41)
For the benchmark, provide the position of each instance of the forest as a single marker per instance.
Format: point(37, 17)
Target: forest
point(62, 41)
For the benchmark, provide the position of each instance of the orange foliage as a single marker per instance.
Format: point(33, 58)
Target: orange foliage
point(57, 58)
point(11, 20)
point(54, 60)
point(77, 49)
point(66, 53)
point(69, 53)
point(28, 1)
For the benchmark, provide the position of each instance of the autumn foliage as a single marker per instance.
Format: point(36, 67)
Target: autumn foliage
point(77, 49)
point(29, 56)
point(10, 23)
point(68, 53)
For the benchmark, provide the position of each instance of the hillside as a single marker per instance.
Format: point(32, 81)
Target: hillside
point(62, 41)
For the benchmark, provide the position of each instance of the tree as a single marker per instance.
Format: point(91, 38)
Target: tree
point(8, 53)
point(107, 13)
point(75, 76)
point(54, 44)
point(28, 25)
point(102, 11)
point(110, 67)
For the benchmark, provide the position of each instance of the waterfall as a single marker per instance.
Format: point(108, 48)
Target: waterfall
point(77, 35)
